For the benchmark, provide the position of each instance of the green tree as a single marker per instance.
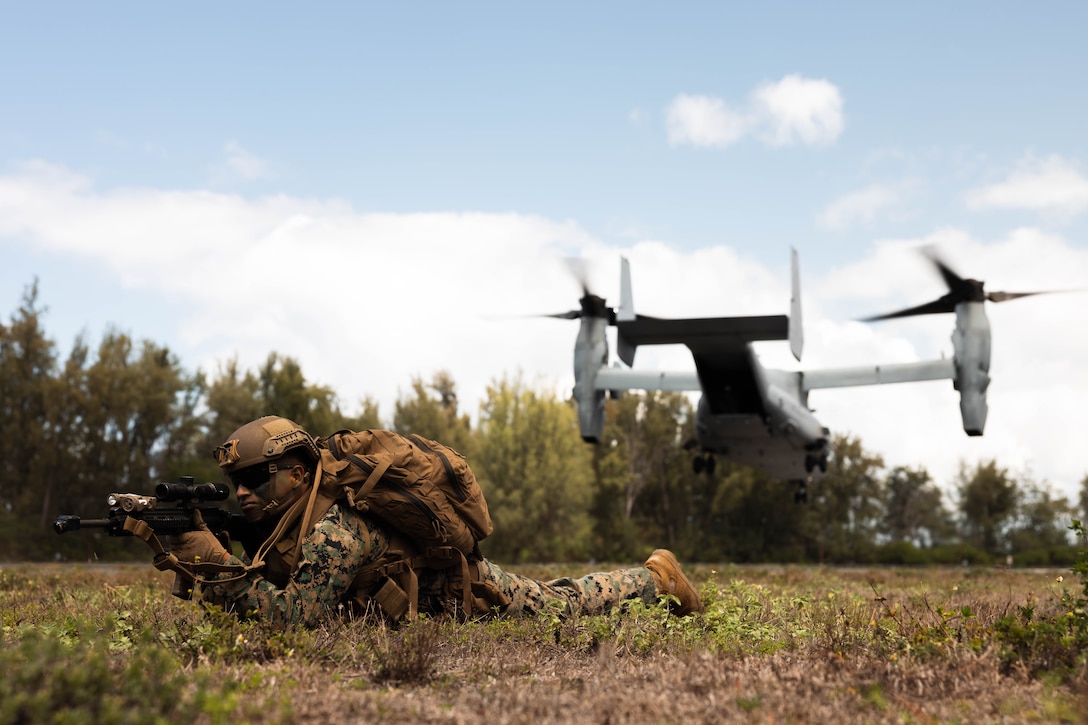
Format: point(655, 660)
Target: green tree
point(28, 436)
point(759, 518)
point(651, 428)
point(235, 397)
point(624, 464)
point(536, 475)
point(914, 509)
point(66, 467)
point(283, 390)
point(988, 501)
point(369, 416)
point(231, 400)
point(845, 508)
point(130, 404)
point(615, 535)
point(122, 416)
point(432, 412)
point(1042, 521)
point(1082, 500)
point(184, 451)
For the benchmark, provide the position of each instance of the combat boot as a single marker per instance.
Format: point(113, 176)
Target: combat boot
point(670, 580)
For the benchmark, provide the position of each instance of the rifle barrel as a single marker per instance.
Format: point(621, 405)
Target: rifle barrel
point(64, 524)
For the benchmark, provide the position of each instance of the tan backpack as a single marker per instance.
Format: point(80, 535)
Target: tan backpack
point(418, 486)
point(428, 496)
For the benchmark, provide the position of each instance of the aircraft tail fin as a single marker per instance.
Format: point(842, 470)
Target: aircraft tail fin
point(626, 312)
point(796, 333)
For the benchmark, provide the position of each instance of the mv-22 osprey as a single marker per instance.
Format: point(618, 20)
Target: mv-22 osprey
point(757, 416)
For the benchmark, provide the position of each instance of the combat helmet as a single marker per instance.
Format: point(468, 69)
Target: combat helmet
point(263, 441)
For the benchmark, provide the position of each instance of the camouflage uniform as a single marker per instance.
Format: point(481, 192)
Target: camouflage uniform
point(339, 547)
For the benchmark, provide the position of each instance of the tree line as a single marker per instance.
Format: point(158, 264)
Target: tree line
point(124, 415)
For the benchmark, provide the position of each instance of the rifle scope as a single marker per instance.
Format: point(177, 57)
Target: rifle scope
point(186, 490)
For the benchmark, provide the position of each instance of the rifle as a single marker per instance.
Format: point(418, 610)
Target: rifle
point(187, 497)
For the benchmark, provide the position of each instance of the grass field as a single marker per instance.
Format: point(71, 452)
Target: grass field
point(108, 644)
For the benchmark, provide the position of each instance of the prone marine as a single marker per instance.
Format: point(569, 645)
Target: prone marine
point(323, 553)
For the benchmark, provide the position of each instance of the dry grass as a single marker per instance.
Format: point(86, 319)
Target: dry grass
point(777, 644)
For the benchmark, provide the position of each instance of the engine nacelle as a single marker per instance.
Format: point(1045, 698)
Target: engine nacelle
point(971, 348)
point(590, 354)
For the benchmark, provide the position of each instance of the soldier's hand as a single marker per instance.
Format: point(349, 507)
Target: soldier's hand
point(199, 545)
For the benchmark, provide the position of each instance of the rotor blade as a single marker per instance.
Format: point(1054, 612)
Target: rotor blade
point(579, 269)
point(952, 280)
point(959, 290)
point(1006, 296)
point(930, 308)
point(568, 315)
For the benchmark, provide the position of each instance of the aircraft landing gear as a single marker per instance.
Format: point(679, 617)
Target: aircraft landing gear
point(702, 461)
point(801, 494)
point(814, 461)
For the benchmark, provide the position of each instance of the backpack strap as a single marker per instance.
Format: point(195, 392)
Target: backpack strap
point(303, 515)
point(451, 475)
point(357, 499)
point(457, 575)
point(333, 444)
point(463, 582)
point(392, 582)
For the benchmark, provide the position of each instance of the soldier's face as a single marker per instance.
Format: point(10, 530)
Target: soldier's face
point(263, 490)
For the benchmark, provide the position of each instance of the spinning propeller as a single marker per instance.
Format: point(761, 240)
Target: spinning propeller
point(959, 290)
point(590, 305)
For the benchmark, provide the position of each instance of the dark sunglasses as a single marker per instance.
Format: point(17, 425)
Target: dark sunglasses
point(256, 476)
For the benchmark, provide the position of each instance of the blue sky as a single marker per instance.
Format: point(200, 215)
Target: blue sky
point(215, 175)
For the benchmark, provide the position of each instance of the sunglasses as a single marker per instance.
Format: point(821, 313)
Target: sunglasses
point(256, 476)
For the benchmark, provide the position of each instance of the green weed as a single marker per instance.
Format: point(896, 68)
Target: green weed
point(774, 643)
point(1054, 639)
point(79, 672)
point(408, 653)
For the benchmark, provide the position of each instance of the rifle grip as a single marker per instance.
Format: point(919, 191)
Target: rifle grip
point(183, 586)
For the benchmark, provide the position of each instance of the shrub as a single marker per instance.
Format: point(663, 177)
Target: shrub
point(73, 673)
point(408, 653)
point(1052, 641)
point(1048, 556)
point(901, 552)
point(957, 554)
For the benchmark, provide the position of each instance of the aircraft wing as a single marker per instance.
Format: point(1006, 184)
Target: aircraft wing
point(704, 332)
point(719, 346)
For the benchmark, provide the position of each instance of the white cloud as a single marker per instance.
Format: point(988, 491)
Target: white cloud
point(703, 121)
point(797, 109)
point(858, 206)
point(244, 164)
point(792, 110)
point(1045, 185)
point(366, 301)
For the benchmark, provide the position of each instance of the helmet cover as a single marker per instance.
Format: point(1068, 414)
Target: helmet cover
point(262, 441)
